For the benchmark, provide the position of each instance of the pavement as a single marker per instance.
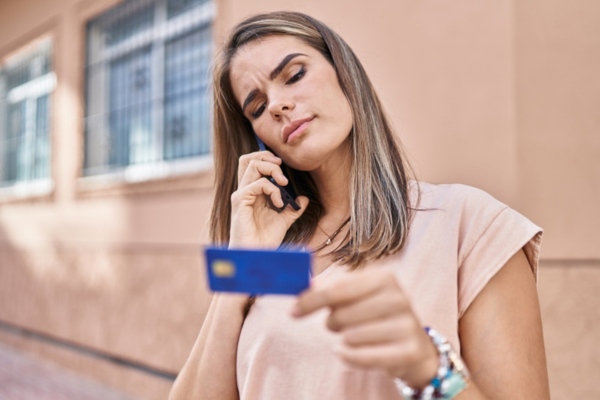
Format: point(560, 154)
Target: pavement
point(23, 377)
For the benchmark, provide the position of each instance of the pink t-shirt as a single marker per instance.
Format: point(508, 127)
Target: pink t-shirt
point(457, 241)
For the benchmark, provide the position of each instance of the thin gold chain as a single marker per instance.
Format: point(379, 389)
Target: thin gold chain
point(330, 238)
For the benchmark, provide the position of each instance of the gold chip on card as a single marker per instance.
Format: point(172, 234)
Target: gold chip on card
point(223, 268)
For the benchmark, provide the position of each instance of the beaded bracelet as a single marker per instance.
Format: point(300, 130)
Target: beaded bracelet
point(451, 379)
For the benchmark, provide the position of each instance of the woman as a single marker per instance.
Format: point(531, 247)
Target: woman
point(390, 256)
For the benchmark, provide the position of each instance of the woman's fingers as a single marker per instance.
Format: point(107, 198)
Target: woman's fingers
point(248, 195)
point(411, 356)
point(375, 319)
point(375, 332)
point(389, 355)
point(378, 306)
point(258, 169)
point(266, 155)
point(292, 215)
point(253, 166)
point(343, 290)
point(253, 222)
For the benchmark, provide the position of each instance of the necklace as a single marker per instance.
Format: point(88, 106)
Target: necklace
point(330, 238)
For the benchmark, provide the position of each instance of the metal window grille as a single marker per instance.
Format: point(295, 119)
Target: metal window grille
point(26, 81)
point(147, 97)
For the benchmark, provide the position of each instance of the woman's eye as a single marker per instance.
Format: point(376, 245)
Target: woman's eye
point(297, 76)
point(258, 112)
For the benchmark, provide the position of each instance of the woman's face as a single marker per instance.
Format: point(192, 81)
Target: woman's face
point(291, 95)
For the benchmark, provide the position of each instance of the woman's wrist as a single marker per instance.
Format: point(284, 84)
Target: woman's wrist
point(451, 377)
point(421, 374)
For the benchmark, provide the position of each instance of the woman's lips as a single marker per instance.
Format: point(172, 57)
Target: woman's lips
point(294, 129)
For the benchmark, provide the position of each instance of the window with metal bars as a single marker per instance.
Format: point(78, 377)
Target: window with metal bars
point(147, 99)
point(26, 81)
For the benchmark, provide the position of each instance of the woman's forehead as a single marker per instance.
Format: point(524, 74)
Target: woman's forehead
point(256, 60)
point(265, 52)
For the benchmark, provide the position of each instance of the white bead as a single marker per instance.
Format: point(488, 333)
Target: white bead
point(407, 392)
point(427, 393)
point(445, 348)
point(445, 385)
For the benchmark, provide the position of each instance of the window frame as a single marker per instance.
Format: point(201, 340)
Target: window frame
point(28, 92)
point(158, 36)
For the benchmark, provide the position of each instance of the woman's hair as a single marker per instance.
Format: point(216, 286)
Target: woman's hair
point(378, 189)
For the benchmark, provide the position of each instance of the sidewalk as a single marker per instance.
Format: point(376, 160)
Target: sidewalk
point(23, 377)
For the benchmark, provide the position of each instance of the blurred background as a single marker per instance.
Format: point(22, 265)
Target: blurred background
point(106, 171)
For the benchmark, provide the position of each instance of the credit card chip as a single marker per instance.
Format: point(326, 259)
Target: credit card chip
point(223, 268)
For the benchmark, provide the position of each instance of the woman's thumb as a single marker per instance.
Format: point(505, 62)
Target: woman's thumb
point(291, 214)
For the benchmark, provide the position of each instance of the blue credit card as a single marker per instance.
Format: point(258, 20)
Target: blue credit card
point(258, 271)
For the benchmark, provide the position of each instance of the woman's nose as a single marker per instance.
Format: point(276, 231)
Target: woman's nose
point(280, 105)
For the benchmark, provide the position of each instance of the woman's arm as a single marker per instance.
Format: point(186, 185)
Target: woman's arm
point(501, 337)
point(501, 331)
point(209, 373)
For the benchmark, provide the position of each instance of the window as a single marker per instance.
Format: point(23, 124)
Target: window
point(26, 81)
point(147, 99)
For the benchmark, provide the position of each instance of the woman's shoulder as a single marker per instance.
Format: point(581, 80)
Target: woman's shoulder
point(486, 231)
point(452, 197)
point(473, 218)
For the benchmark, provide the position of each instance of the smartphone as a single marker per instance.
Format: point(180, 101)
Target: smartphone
point(287, 193)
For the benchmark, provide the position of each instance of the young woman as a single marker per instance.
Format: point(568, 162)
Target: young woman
point(391, 256)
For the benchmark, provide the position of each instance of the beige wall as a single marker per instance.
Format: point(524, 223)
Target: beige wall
point(114, 267)
point(500, 95)
point(568, 292)
point(444, 71)
point(557, 59)
point(504, 96)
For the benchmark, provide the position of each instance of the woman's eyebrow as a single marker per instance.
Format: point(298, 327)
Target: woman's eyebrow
point(272, 76)
point(249, 99)
point(283, 63)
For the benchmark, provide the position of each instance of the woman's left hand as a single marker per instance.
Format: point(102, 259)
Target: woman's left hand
point(378, 326)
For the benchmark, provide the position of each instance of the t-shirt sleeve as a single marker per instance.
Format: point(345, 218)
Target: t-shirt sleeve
point(492, 233)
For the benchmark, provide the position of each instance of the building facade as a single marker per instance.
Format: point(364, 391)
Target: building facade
point(106, 173)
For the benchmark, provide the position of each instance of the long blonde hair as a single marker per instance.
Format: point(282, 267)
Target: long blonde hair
point(380, 212)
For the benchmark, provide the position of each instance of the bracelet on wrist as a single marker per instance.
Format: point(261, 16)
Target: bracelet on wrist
point(451, 379)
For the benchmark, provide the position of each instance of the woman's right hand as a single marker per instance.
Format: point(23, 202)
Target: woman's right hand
point(253, 222)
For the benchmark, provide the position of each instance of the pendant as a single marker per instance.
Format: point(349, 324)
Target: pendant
point(328, 242)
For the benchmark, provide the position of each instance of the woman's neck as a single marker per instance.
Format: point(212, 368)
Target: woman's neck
point(332, 179)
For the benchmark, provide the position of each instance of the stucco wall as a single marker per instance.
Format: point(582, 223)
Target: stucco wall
point(499, 95)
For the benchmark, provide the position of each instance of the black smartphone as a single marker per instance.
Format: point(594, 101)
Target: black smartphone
point(287, 193)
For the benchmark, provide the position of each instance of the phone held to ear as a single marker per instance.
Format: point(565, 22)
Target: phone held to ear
point(287, 194)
